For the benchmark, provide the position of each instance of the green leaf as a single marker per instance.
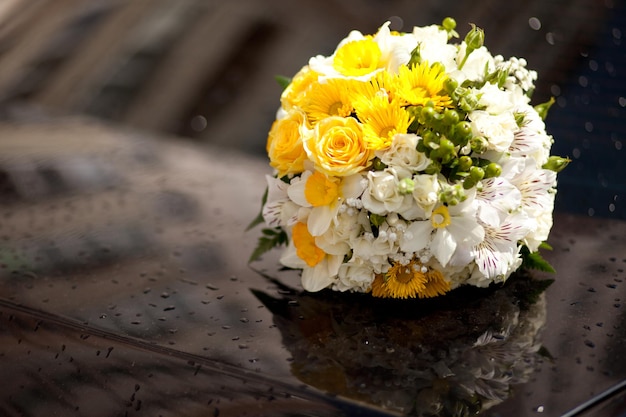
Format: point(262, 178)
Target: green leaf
point(270, 239)
point(534, 260)
point(259, 218)
point(283, 81)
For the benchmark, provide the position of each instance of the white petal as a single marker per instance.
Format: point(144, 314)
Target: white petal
point(320, 219)
point(296, 189)
point(443, 246)
point(417, 236)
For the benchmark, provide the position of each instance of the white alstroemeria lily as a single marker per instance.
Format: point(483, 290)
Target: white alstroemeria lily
point(536, 187)
point(449, 228)
point(278, 209)
point(531, 140)
point(496, 199)
point(324, 195)
point(496, 254)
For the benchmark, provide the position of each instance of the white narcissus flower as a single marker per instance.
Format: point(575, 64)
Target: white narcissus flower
point(317, 277)
point(396, 49)
point(344, 227)
point(382, 194)
point(324, 195)
point(434, 46)
point(403, 155)
point(449, 228)
point(497, 129)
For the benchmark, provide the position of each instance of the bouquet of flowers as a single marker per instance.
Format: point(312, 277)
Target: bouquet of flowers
point(407, 164)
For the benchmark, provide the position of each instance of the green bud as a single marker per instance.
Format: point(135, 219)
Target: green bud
point(448, 24)
point(452, 194)
point(468, 102)
point(476, 173)
point(543, 108)
point(493, 170)
point(378, 165)
point(446, 150)
point(450, 85)
point(450, 117)
point(519, 118)
point(461, 133)
point(376, 219)
point(406, 186)
point(427, 115)
point(556, 163)
point(433, 169)
point(468, 183)
point(478, 144)
point(421, 146)
point(416, 56)
point(475, 38)
point(465, 163)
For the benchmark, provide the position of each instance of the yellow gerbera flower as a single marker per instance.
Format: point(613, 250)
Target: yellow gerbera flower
point(410, 281)
point(382, 120)
point(329, 98)
point(423, 83)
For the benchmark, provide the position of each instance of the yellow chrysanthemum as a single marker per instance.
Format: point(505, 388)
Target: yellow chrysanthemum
point(358, 58)
point(383, 83)
point(329, 98)
point(423, 83)
point(295, 91)
point(410, 281)
point(382, 120)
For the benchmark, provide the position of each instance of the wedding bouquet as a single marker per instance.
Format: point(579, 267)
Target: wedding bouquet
point(407, 164)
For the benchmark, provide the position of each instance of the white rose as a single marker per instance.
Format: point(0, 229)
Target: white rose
point(382, 194)
point(355, 275)
point(495, 100)
point(497, 129)
point(425, 193)
point(403, 155)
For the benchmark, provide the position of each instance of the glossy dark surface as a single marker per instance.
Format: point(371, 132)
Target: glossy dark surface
point(125, 290)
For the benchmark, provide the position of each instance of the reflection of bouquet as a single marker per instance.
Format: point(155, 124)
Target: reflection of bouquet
point(451, 358)
point(407, 166)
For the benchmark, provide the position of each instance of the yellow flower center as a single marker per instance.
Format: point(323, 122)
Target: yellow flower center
point(306, 249)
point(321, 190)
point(440, 217)
point(358, 58)
point(410, 281)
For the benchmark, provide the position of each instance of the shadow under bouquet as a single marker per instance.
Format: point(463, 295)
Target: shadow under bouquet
point(409, 164)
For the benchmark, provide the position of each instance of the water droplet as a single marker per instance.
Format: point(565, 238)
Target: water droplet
point(242, 346)
point(212, 287)
point(244, 320)
point(590, 343)
point(169, 308)
point(534, 23)
point(103, 316)
point(539, 409)
point(165, 295)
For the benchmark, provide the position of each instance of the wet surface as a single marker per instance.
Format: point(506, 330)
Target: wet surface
point(125, 290)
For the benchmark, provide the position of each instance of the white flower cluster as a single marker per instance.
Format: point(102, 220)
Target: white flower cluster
point(438, 173)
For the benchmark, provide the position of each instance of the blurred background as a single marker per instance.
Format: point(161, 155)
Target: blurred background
point(204, 70)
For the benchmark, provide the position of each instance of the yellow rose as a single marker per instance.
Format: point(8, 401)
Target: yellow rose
point(337, 147)
point(300, 84)
point(284, 144)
